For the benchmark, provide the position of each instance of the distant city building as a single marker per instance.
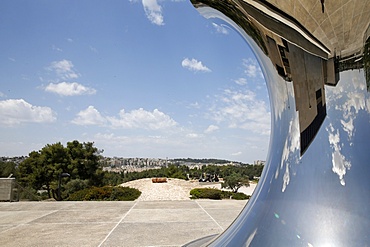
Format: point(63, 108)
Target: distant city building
point(119, 164)
point(259, 162)
point(17, 160)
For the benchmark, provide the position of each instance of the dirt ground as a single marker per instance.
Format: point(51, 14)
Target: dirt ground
point(174, 189)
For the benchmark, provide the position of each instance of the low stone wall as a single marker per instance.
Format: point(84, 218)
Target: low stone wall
point(7, 189)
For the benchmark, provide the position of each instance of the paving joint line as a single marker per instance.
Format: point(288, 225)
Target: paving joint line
point(119, 222)
point(15, 226)
point(210, 216)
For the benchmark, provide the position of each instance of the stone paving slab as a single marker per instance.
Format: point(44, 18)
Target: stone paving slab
point(20, 217)
point(138, 223)
point(208, 204)
point(166, 204)
point(160, 233)
point(82, 216)
point(54, 234)
point(227, 215)
point(166, 215)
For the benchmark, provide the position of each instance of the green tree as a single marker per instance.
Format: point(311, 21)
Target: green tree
point(42, 168)
point(54, 161)
point(7, 168)
point(84, 162)
point(31, 174)
point(234, 182)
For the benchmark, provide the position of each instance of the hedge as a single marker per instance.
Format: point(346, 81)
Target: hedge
point(216, 194)
point(106, 193)
point(209, 193)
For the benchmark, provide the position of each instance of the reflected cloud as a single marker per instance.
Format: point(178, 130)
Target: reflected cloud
point(340, 164)
point(291, 150)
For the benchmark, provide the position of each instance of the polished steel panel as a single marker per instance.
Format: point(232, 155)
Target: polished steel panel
point(315, 188)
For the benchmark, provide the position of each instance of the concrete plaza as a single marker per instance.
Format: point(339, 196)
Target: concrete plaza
point(137, 223)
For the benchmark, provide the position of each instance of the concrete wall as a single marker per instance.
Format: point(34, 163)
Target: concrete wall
point(6, 189)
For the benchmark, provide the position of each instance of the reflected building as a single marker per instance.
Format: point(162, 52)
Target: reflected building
point(315, 56)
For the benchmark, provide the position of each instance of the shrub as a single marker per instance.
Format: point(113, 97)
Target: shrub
point(106, 193)
point(226, 194)
point(124, 194)
point(239, 196)
point(232, 195)
point(78, 195)
point(98, 193)
point(74, 186)
point(209, 193)
point(28, 194)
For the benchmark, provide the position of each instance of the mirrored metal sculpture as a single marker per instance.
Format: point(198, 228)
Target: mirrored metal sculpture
point(315, 56)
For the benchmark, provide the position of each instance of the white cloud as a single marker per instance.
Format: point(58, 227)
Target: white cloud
point(93, 49)
point(194, 65)
point(211, 128)
point(64, 69)
point(70, 40)
point(11, 59)
point(193, 135)
point(55, 48)
point(69, 89)
point(243, 110)
point(17, 111)
point(237, 154)
point(252, 69)
point(220, 28)
point(142, 119)
point(135, 119)
point(153, 11)
point(241, 81)
point(2, 95)
point(90, 116)
point(195, 105)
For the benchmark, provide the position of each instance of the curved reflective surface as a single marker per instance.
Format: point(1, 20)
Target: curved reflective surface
point(315, 187)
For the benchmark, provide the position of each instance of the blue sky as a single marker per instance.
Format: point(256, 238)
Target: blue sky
point(139, 78)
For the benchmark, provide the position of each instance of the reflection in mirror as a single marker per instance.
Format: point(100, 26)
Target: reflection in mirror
point(315, 59)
